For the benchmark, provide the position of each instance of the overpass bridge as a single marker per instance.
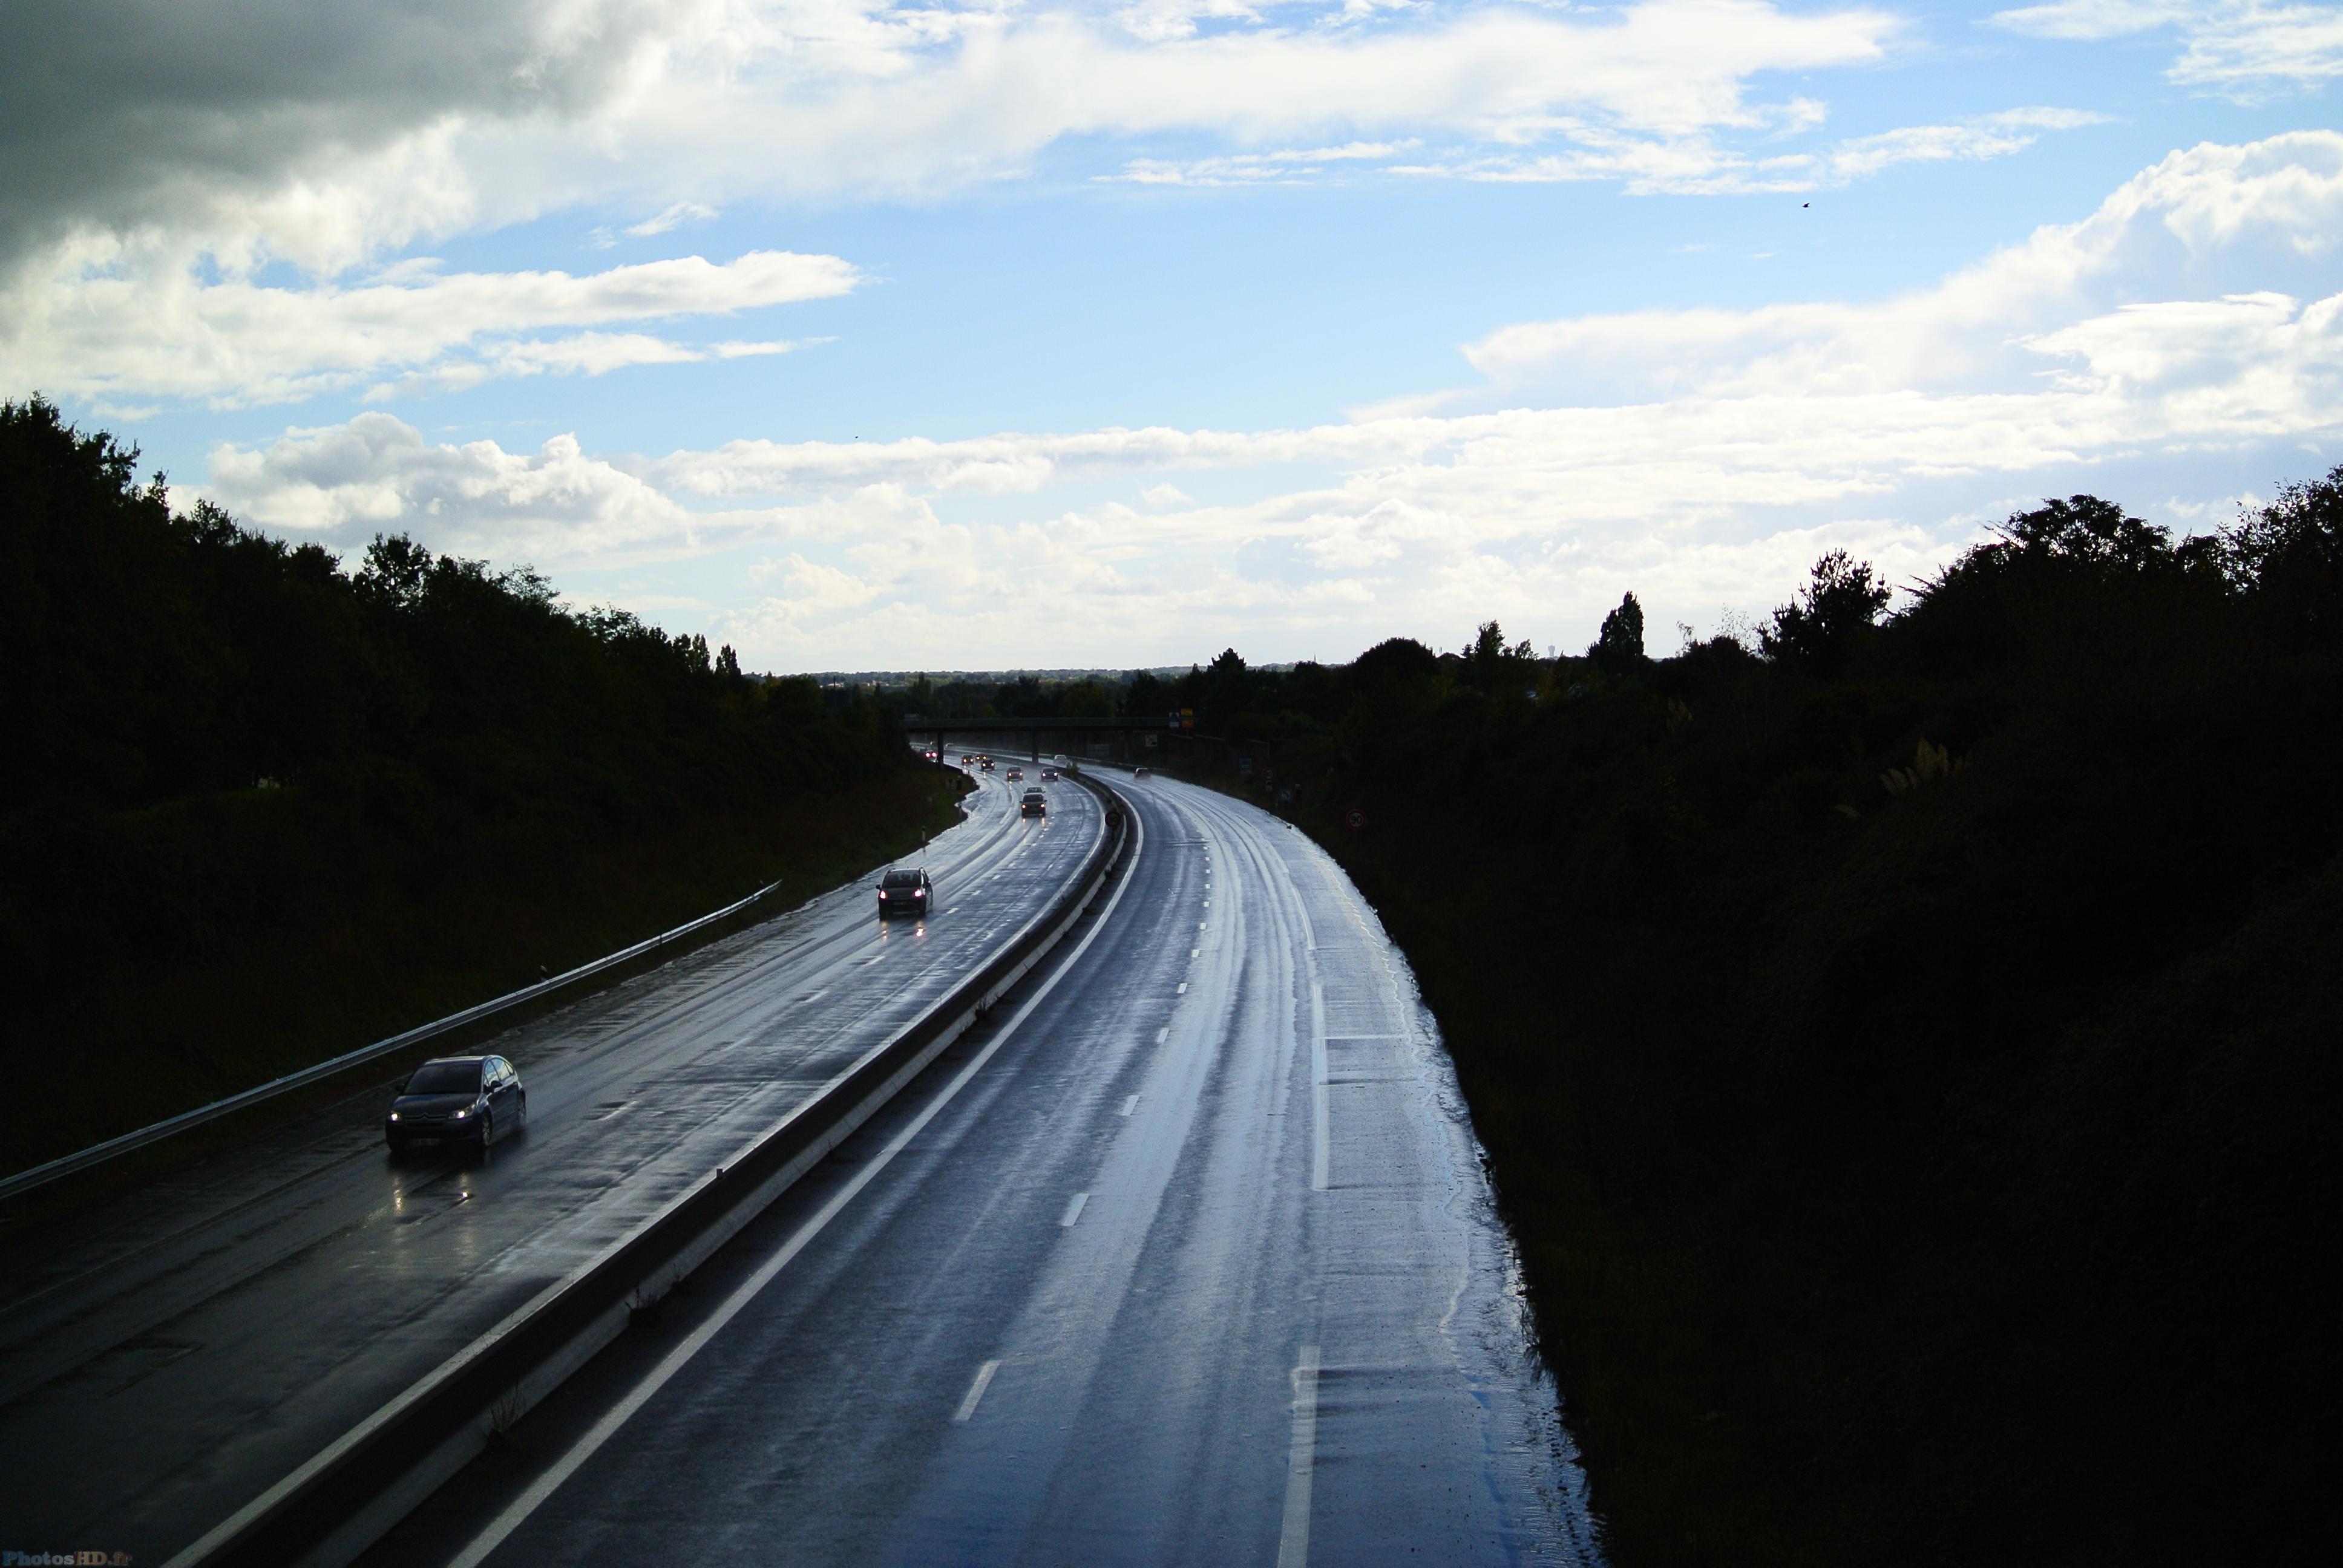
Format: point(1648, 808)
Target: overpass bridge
point(1014, 734)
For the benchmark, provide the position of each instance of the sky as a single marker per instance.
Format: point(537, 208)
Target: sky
point(1009, 335)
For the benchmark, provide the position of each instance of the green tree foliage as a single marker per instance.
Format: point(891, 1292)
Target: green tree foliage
point(1913, 1081)
point(219, 742)
point(154, 657)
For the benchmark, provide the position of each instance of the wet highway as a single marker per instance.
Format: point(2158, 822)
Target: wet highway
point(168, 1355)
point(1185, 1256)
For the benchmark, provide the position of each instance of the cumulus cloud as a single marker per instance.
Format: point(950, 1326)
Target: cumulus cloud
point(1971, 329)
point(343, 483)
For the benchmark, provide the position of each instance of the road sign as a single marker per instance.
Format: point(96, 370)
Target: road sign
point(1354, 820)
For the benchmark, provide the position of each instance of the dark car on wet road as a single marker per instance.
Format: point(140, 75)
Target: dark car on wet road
point(457, 1099)
point(905, 890)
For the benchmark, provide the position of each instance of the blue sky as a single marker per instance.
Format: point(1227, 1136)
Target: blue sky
point(866, 336)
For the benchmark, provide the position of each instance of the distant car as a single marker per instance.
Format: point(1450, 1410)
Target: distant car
point(1139, 773)
point(1035, 803)
point(905, 892)
point(1015, 774)
point(457, 1098)
point(985, 763)
point(1049, 776)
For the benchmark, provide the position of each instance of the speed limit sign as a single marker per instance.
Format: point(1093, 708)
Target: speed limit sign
point(1355, 819)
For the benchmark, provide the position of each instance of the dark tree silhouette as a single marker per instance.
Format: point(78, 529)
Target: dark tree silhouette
point(1820, 629)
point(1618, 648)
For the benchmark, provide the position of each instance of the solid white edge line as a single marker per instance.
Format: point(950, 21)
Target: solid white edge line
point(602, 1432)
point(1294, 1539)
point(1073, 1210)
point(975, 1393)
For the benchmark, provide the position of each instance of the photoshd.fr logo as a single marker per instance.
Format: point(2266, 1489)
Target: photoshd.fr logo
point(64, 1559)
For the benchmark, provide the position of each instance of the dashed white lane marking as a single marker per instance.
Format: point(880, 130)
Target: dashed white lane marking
point(1129, 1106)
point(584, 1448)
point(1195, 952)
point(1161, 1035)
point(975, 1393)
point(1073, 1210)
point(1182, 991)
point(1293, 1540)
point(1200, 925)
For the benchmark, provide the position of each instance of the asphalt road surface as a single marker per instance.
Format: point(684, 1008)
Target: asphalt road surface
point(1185, 1257)
point(167, 1356)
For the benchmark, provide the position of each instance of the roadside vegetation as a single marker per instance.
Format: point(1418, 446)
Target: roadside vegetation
point(1907, 1044)
point(259, 807)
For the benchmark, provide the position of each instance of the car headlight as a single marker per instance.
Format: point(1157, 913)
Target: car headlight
point(463, 1113)
point(394, 1116)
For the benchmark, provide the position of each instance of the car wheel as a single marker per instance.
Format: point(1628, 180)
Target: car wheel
point(487, 1128)
point(520, 1112)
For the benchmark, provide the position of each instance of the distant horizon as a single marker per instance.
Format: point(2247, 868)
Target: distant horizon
point(898, 335)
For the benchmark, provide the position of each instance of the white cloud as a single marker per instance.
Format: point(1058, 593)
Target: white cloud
point(2090, 20)
point(142, 325)
point(1729, 449)
point(674, 218)
point(1969, 329)
point(1156, 21)
point(2243, 48)
point(141, 214)
point(1699, 166)
point(1284, 164)
point(345, 482)
point(561, 102)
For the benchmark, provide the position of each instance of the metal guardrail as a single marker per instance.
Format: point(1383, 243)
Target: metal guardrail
point(98, 1154)
point(347, 1496)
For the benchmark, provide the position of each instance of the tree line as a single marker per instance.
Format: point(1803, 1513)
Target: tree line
point(257, 804)
point(1904, 1039)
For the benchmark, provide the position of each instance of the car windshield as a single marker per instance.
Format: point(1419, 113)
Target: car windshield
point(903, 879)
point(445, 1077)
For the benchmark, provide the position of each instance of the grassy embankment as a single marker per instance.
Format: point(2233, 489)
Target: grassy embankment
point(1908, 1060)
point(260, 811)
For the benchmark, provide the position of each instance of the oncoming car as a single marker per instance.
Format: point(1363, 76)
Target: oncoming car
point(1015, 774)
point(905, 890)
point(1035, 804)
point(1049, 776)
point(457, 1099)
